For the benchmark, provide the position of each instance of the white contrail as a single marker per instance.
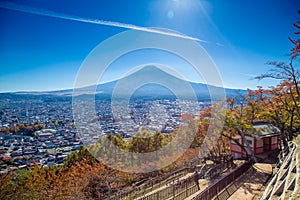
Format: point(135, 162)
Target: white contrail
point(31, 10)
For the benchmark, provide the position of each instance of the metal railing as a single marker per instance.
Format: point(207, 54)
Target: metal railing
point(214, 189)
point(186, 187)
point(286, 176)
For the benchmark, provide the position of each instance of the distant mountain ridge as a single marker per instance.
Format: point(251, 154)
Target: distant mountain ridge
point(149, 81)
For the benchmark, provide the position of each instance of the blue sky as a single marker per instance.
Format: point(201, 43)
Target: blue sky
point(45, 53)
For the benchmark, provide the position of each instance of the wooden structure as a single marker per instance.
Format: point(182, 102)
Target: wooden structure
point(263, 138)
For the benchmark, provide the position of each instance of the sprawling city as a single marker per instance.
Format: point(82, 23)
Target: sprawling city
point(56, 136)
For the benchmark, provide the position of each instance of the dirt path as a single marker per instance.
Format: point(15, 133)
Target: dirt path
point(250, 185)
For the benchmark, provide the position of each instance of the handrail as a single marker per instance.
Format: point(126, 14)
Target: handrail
point(183, 187)
point(217, 187)
point(297, 173)
point(289, 174)
point(274, 181)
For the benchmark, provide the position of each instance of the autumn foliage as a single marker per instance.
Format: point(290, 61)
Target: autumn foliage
point(84, 177)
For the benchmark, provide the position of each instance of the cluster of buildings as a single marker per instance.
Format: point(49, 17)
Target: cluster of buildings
point(47, 148)
point(126, 119)
point(62, 134)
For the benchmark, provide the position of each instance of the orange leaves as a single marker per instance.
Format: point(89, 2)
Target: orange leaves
point(295, 51)
point(72, 181)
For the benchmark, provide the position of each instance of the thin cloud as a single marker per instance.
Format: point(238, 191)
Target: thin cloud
point(42, 12)
point(248, 75)
point(252, 76)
